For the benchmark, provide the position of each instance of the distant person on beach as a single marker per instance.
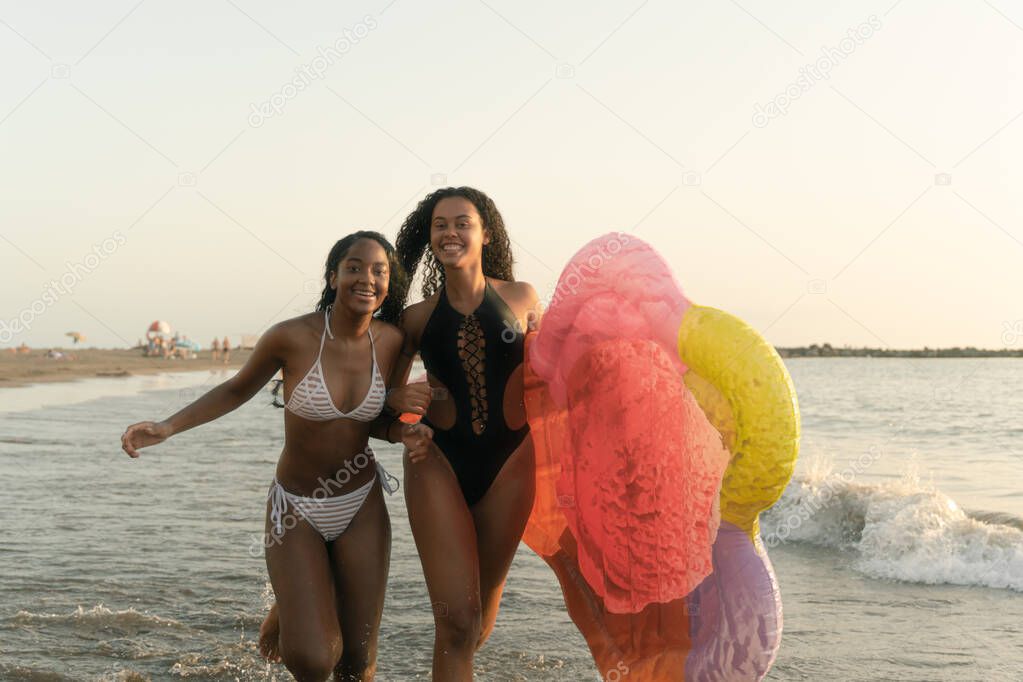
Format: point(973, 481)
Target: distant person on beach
point(226, 348)
point(215, 348)
point(328, 535)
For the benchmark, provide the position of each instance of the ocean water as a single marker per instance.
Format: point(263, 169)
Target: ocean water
point(898, 545)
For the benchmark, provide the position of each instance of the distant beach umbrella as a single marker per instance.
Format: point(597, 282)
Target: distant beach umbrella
point(158, 328)
point(77, 337)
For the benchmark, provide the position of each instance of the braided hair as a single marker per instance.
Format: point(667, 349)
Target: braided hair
point(413, 242)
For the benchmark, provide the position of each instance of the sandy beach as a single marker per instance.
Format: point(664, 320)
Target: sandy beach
point(20, 369)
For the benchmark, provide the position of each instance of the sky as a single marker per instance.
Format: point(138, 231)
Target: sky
point(829, 172)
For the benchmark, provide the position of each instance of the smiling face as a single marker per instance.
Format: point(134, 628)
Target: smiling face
point(361, 277)
point(457, 235)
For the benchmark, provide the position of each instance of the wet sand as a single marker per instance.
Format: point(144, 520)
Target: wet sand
point(21, 369)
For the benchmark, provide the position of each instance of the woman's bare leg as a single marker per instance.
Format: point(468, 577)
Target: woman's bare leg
point(300, 572)
point(500, 518)
point(446, 539)
point(269, 636)
point(361, 557)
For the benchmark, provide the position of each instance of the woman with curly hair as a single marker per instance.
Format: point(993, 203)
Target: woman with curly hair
point(328, 536)
point(470, 492)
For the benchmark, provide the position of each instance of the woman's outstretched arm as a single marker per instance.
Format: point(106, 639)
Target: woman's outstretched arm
point(261, 366)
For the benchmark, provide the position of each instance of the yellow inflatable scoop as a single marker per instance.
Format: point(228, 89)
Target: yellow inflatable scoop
point(742, 385)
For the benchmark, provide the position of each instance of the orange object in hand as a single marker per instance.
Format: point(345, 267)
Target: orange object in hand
point(411, 417)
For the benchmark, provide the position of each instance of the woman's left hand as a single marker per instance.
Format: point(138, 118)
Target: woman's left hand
point(411, 398)
point(418, 439)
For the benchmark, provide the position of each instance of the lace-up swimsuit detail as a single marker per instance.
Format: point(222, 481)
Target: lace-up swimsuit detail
point(311, 400)
point(474, 356)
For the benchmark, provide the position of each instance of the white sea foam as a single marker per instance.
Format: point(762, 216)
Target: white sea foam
point(99, 618)
point(903, 530)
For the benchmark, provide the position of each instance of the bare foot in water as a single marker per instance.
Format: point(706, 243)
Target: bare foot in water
point(269, 636)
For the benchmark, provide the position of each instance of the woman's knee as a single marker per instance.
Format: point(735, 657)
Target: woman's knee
point(307, 662)
point(458, 628)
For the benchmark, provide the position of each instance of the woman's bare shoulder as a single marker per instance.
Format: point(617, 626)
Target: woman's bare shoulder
point(387, 333)
point(519, 292)
point(301, 324)
point(415, 317)
point(291, 333)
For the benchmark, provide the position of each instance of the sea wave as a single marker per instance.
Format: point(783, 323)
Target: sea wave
point(902, 530)
point(99, 619)
point(29, 674)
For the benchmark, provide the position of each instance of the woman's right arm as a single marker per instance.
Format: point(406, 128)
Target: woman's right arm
point(400, 396)
point(266, 359)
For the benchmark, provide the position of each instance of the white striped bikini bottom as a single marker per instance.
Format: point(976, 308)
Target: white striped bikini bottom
point(329, 516)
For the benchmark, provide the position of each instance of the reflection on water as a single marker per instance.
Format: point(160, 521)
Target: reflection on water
point(35, 396)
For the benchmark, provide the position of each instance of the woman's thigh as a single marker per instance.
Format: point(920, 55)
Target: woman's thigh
point(302, 578)
point(500, 518)
point(445, 538)
point(361, 558)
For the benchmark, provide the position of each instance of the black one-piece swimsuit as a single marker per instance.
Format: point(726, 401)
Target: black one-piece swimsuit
point(473, 356)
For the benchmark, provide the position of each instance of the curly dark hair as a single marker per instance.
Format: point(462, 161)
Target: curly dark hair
point(413, 242)
point(398, 280)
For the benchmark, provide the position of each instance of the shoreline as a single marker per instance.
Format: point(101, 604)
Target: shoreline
point(827, 351)
point(18, 370)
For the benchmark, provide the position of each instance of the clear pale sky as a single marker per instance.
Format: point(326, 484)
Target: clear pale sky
point(883, 208)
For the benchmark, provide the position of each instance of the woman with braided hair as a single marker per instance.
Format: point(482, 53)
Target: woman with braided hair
point(328, 535)
point(469, 492)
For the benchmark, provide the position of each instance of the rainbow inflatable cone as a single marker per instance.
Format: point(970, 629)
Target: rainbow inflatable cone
point(662, 429)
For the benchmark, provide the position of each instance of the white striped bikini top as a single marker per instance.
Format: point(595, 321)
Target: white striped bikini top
point(311, 397)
